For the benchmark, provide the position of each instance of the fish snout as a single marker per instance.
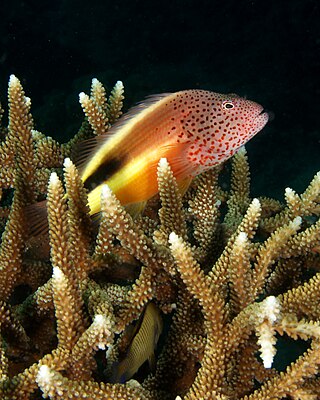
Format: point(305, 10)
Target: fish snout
point(271, 114)
point(263, 114)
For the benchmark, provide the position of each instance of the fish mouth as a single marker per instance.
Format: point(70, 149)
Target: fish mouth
point(261, 118)
point(263, 111)
point(270, 114)
point(266, 114)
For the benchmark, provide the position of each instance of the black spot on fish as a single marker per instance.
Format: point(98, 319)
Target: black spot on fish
point(103, 172)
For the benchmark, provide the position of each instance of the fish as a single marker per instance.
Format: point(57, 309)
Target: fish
point(194, 130)
point(142, 346)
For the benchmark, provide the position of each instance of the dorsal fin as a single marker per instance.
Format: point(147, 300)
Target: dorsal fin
point(142, 105)
point(87, 148)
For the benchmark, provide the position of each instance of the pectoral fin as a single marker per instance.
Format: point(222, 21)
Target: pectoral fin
point(135, 209)
point(184, 184)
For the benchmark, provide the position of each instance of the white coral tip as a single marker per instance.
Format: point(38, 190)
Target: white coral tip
point(163, 163)
point(13, 80)
point(296, 223)
point(83, 97)
point(43, 374)
point(27, 101)
point(67, 163)
point(271, 308)
point(53, 180)
point(94, 81)
point(99, 319)
point(173, 238)
point(57, 273)
point(256, 203)
point(106, 192)
point(242, 238)
point(288, 191)
point(242, 150)
point(268, 360)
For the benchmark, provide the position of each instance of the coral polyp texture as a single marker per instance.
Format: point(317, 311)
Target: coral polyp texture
point(235, 280)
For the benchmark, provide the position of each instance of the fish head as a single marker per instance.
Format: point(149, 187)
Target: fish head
point(241, 117)
point(226, 123)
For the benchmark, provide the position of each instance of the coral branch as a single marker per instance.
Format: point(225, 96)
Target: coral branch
point(228, 275)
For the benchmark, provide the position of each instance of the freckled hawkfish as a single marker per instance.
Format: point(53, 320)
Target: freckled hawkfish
point(194, 129)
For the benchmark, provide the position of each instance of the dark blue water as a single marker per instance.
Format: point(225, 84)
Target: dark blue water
point(265, 50)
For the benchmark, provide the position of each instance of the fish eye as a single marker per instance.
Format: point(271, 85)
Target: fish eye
point(227, 105)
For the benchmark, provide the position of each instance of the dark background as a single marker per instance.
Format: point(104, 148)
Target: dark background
point(265, 50)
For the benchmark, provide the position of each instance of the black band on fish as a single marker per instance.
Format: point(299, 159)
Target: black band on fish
point(104, 172)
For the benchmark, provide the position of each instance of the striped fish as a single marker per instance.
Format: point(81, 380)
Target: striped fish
point(143, 343)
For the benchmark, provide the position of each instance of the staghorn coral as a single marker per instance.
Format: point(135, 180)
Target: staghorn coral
point(229, 282)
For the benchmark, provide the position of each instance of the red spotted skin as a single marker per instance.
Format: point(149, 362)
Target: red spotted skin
point(215, 125)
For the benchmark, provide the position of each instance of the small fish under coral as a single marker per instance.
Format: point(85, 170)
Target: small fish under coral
point(143, 341)
point(227, 275)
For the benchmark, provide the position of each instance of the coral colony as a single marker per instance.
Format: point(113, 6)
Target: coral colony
point(83, 301)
